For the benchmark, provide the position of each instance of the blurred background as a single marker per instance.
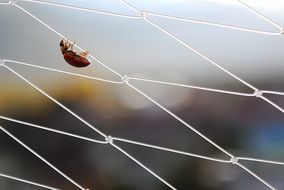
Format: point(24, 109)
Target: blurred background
point(245, 126)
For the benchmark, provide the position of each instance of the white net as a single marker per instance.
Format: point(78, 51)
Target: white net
point(129, 81)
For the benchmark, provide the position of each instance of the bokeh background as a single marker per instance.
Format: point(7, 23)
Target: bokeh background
point(245, 126)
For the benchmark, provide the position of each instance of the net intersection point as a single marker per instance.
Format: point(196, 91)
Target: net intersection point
point(125, 79)
point(258, 93)
point(234, 160)
point(13, 2)
point(109, 139)
point(2, 62)
point(143, 15)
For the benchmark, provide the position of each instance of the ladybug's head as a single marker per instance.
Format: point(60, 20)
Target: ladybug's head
point(63, 46)
point(61, 43)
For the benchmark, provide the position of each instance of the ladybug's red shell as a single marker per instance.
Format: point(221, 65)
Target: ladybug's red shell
point(75, 60)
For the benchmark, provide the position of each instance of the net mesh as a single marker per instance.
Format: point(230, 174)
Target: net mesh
point(127, 81)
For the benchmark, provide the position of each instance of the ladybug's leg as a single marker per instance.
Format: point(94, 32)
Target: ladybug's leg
point(84, 54)
point(65, 43)
point(71, 45)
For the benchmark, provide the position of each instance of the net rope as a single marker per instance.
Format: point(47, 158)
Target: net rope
point(126, 80)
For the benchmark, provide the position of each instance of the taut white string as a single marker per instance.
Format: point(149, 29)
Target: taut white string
point(273, 92)
point(261, 15)
point(191, 86)
point(88, 124)
point(5, 3)
point(28, 182)
point(145, 80)
point(52, 130)
point(200, 54)
point(57, 102)
point(170, 150)
point(215, 24)
point(143, 166)
point(59, 34)
point(256, 176)
point(180, 120)
point(272, 103)
point(137, 143)
point(82, 9)
point(41, 158)
point(61, 71)
point(261, 160)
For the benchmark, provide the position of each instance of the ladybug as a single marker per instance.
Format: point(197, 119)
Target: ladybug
point(73, 58)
